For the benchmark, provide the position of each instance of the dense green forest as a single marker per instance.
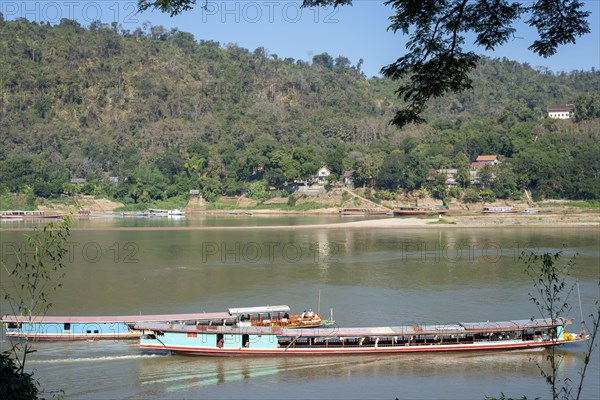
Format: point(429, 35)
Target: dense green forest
point(147, 115)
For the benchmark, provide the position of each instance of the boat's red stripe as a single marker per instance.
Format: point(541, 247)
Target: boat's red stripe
point(370, 350)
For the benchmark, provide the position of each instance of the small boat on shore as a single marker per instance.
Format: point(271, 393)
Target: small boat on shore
point(228, 341)
point(499, 210)
point(153, 212)
point(123, 327)
point(134, 214)
point(538, 211)
point(416, 210)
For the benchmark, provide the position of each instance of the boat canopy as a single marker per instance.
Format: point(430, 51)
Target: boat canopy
point(513, 325)
point(454, 329)
point(258, 310)
point(118, 318)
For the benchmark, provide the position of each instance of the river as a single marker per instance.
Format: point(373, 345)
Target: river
point(368, 277)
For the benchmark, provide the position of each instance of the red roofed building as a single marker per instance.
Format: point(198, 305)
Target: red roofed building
point(349, 178)
point(561, 112)
point(484, 160)
point(487, 159)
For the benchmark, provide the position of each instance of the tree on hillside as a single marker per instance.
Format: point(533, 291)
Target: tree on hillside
point(505, 183)
point(402, 170)
point(587, 107)
point(435, 62)
point(324, 60)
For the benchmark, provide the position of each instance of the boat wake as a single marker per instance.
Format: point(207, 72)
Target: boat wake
point(95, 359)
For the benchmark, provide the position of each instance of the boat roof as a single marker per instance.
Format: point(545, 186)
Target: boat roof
point(118, 318)
point(258, 310)
point(334, 331)
point(513, 325)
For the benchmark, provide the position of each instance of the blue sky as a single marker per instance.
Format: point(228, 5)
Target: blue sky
point(283, 28)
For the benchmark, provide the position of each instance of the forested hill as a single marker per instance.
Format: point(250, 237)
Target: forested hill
point(164, 112)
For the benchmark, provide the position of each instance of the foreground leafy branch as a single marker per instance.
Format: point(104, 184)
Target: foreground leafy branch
point(592, 345)
point(36, 273)
point(550, 275)
point(436, 63)
point(172, 7)
point(15, 385)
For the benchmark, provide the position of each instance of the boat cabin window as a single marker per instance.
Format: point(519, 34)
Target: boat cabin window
point(67, 327)
point(14, 325)
point(220, 340)
point(246, 340)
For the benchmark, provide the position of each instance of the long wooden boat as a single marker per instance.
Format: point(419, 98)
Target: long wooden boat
point(357, 211)
point(419, 210)
point(231, 341)
point(19, 215)
point(123, 327)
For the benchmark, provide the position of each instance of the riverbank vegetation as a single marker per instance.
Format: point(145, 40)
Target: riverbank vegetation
point(146, 116)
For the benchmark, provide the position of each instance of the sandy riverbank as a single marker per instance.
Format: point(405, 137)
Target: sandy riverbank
point(552, 221)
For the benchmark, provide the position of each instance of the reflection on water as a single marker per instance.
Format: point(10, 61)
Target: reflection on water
point(190, 220)
point(184, 374)
point(100, 370)
point(370, 277)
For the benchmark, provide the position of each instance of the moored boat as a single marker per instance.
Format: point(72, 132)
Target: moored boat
point(359, 211)
point(20, 215)
point(93, 327)
point(153, 212)
point(277, 341)
point(499, 210)
point(123, 327)
point(176, 212)
point(399, 211)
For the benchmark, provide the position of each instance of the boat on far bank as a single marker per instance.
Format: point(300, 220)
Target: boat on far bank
point(21, 215)
point(360, 211)
point(153, 212)
point(499, 210)
point(419, 210)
